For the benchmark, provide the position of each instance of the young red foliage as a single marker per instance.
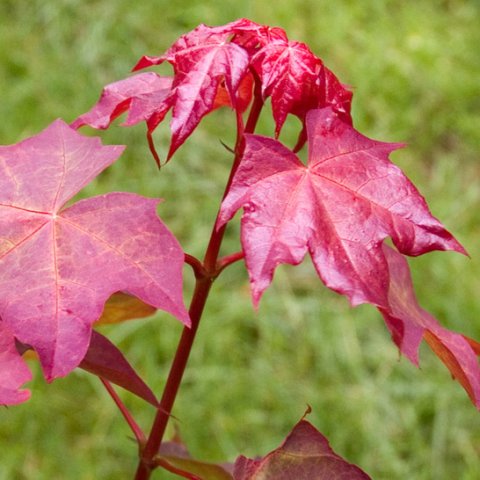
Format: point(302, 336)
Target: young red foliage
point(213, 66)
point(59, 265)
point(105, 360)
point(201, 59)
point(340, 207)
point(297, 81)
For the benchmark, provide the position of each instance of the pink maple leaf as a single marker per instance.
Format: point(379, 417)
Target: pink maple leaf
point(59, 265)
point(339, 207)
point(13, 368)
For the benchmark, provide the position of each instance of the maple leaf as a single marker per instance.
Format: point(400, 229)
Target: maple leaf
point(202, 59)
point(409, 324)
point(60, 265)
point(339, 207)
point(297, 81)
point(304, 455)
point(212, 68)
point(250, 35)
point(144, 96)
point(102, 359)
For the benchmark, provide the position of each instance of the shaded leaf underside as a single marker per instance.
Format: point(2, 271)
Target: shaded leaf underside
point(304, 455)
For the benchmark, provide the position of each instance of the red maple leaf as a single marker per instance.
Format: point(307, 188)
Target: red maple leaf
point(202, 59)
point(59, 265)
point(146, 97)
point(339, 207)
point(143, 95)
point(212, 68)
point(296, 80)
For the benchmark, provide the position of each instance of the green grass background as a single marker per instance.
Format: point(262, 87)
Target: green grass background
point(415, 69)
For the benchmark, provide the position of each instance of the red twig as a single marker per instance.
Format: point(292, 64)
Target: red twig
point(227, 260)
point(205, 274)
point(196, 265)
point(137, 431)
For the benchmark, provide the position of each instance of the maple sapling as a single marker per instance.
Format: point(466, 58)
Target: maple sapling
point(63, 266)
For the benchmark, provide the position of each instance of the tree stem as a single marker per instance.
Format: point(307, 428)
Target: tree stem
point(205, 274)
point(174, 379)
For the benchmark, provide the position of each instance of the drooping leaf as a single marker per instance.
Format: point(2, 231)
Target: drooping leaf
point(147, 97)
point(192, 469)
point(339, 207)
point(304, 455)
point(13, 369)
point(201, 59)
point(144, 96)
point(409, 323)
point(334, 94)
point(105, 360)
point(59, 265)
point(121, 306)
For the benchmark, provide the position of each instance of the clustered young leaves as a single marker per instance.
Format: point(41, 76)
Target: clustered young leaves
point(61, 264)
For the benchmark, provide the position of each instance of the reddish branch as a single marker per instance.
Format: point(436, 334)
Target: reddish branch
point(137, 431)
point(205, 274)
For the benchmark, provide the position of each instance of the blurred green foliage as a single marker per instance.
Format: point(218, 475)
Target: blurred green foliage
point(415, 70)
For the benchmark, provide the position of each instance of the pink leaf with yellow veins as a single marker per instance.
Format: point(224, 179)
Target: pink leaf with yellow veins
point(60, 265)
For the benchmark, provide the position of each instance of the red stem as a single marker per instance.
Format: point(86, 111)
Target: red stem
point(256, 107)
point(146, 464)
point(205, 275)
point(137, 431)
point(227, 260)
point(196, 265)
